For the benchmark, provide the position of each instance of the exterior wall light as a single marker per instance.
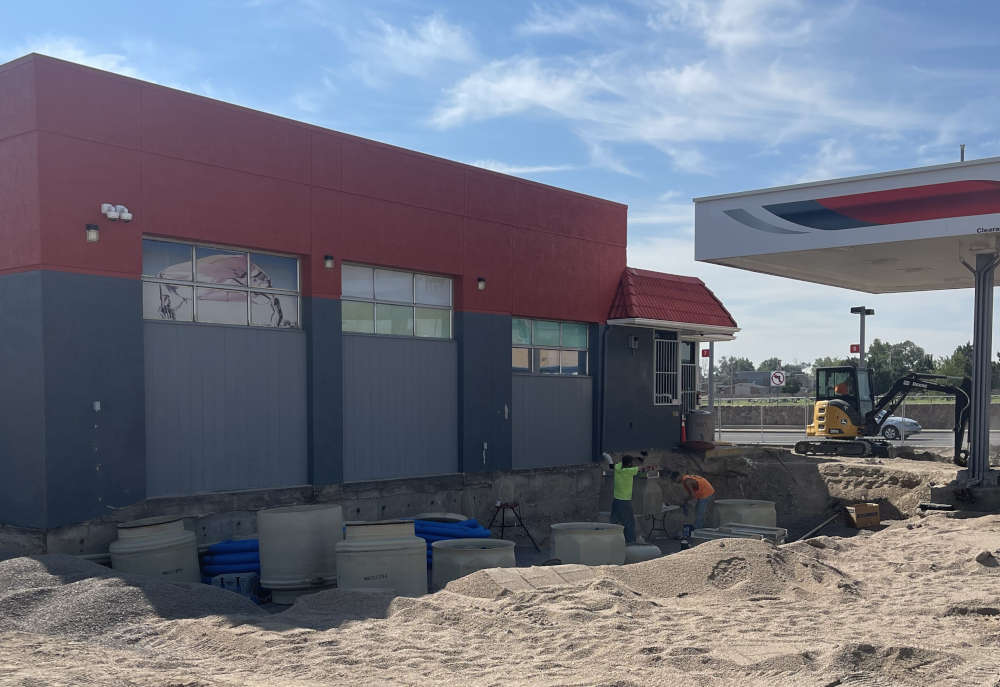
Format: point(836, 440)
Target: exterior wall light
point(93, 233)
point(328, 262)
point(481, 284)
point(116, 212)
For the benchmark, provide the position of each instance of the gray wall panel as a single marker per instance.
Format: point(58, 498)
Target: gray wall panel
point(22, 401)
point(552, 421)
point(485, 391)
point(93, 352)
point(400, 407)
point(325, 361)
point(225, 408)
point(632, 422)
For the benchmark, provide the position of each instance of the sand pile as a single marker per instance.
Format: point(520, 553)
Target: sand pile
point(57, 594)
point(915, 604)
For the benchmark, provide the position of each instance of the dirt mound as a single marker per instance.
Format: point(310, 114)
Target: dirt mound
point(56, 594)
point(742, 567)
point(903, 665)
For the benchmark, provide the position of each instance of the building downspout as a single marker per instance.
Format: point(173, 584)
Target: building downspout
point(604, 384)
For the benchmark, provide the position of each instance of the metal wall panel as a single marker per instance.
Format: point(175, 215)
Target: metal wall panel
point(22, 403)
point(225, 408)
point(400, 408)
point(552, 421)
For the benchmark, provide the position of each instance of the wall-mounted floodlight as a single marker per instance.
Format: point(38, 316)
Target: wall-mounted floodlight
point(116, 212)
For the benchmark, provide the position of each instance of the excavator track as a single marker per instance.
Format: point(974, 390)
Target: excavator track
point(848, 448)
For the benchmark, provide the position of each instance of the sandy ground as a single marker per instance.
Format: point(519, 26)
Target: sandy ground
point(915, 604)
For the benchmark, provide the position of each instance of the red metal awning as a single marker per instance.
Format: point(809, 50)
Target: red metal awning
point(671, 301)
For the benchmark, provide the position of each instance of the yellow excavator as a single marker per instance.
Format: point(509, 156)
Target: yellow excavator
point(847, 421)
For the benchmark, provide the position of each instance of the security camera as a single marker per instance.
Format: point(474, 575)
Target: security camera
point(123, 214)
point(107, 207)
point(112, 214)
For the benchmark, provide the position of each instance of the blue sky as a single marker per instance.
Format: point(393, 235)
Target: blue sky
point(646, 102)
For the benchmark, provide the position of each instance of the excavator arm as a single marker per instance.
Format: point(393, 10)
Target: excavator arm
point(887, 404)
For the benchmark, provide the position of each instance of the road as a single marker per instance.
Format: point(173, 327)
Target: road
point(929, 438)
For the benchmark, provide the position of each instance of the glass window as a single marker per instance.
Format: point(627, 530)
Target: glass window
point(274, 310)
point(274, 272)
point(555, 348)
point(396, 320)
point(574, 335)
point(356, 282)
point(520, 331)
point(393, 286)
point(428, 290)
point(166, 260)
point(545, 333)
point(358, 318)
point(432, 322)
point(520, 359)
point(273, 302)
point(218, 266)
point(548, 361)
point(688, 352)
point(222, 306)
point(395, 303)
point(573, 362)
point(167, 302)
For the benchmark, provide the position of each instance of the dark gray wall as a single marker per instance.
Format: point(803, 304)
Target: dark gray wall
point(485, 391)
point(225, 408)
point(400, 407)
point(92, 338)
point(22, 401)
point(324, 374)
point(632, 422)
point(552, 420)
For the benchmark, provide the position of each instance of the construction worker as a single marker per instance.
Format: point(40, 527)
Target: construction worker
point(699, 490)
point(621, 508)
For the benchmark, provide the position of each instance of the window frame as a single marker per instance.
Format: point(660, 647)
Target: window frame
point(675, 374)
point(535, 350)
point(249, 288)
point(689, 396)
point(413, 304)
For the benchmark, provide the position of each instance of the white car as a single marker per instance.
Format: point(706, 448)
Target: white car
point(900, 427)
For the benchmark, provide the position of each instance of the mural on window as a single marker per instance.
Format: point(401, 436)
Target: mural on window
point(191, 283)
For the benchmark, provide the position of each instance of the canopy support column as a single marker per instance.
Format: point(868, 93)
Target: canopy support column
point(978, 472)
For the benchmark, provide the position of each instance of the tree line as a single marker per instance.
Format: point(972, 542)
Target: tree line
point(887, 361)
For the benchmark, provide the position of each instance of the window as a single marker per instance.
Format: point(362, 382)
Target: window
point(548, 347)
point(665, 364)
point(689, 375)
point(185, 282)
point(395, 303)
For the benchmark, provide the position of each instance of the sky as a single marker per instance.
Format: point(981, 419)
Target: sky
point(645, 102)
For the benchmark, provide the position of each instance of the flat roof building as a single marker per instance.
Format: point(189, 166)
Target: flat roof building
point(291, 305)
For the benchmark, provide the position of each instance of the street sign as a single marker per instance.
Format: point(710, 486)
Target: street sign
point(705, 353)
point(855, 348)
point(778, 378)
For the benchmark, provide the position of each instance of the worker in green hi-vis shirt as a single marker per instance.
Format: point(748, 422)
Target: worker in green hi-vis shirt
point(621, 507)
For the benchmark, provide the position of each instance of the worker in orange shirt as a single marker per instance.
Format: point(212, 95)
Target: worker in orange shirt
point(699, 490)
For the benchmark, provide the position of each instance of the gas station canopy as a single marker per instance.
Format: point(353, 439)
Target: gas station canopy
point(919, 229)
point(906, 230)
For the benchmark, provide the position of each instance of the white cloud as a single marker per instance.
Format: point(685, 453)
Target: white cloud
point(733, 25)
point(571, 21)
point(504, 168)
point(833, 159)
point(75, 50)
point(601, 156)
point(390, 49)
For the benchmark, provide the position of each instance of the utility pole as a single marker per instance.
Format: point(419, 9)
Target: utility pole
point(862, 311)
